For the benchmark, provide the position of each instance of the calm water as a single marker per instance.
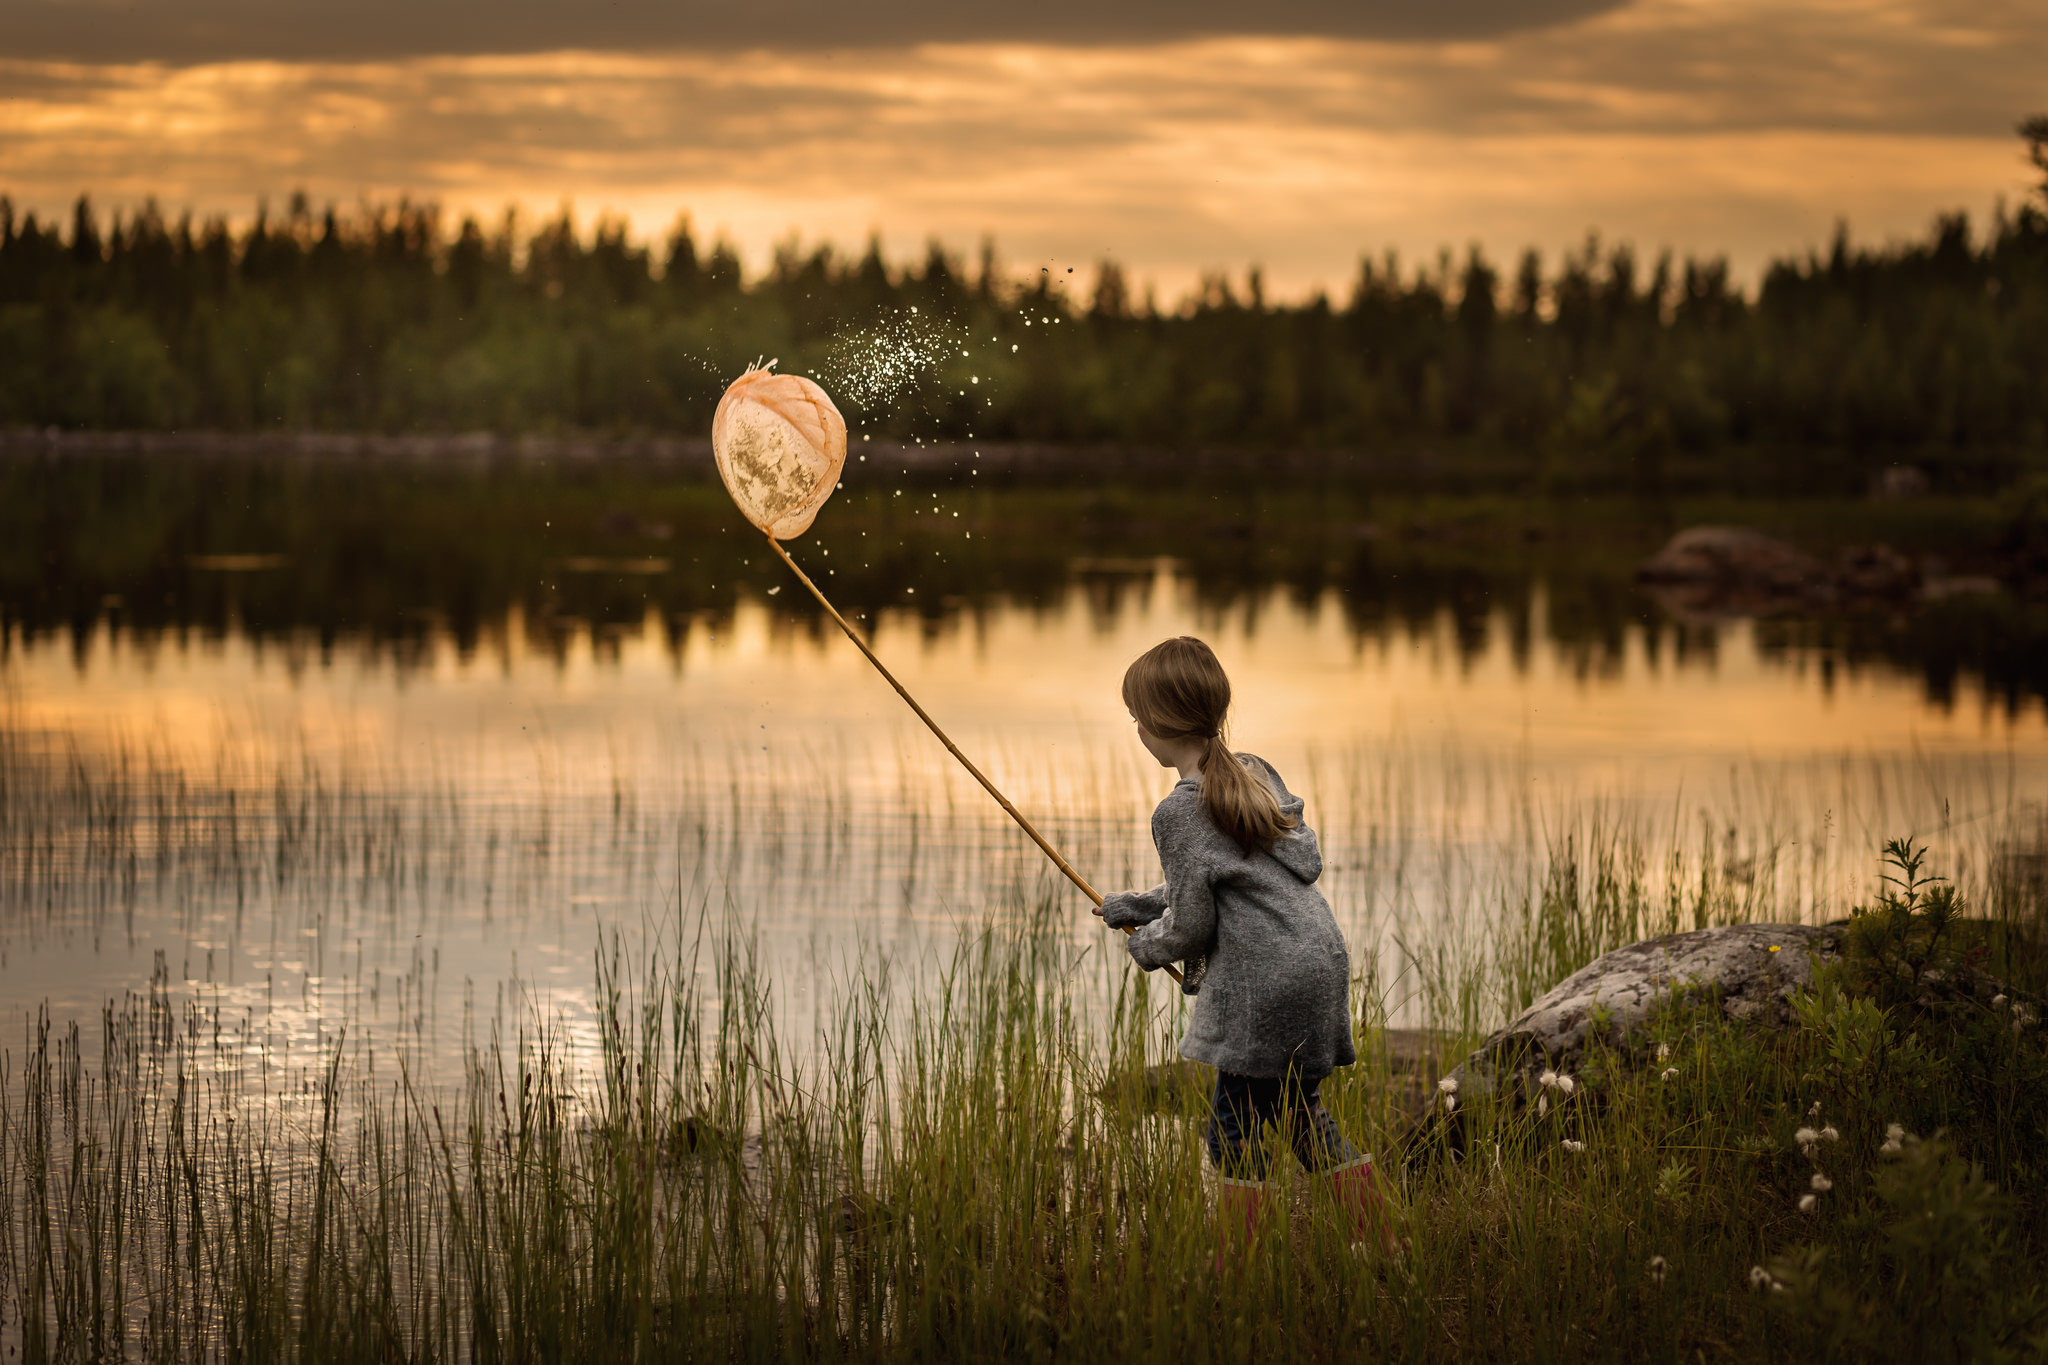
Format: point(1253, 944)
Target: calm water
point(325, 825)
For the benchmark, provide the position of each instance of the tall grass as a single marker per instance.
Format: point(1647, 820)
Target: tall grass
point(950, 1146)
point(985, 1174)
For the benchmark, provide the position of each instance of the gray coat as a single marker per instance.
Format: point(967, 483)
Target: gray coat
point(1276, 990)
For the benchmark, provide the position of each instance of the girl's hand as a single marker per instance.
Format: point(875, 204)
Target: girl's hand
point(1128, 909)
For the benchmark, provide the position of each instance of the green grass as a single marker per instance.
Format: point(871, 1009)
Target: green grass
point(965, 1165)
point(964, 1157)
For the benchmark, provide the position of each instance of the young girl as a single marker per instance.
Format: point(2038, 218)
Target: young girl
point(1241, 910)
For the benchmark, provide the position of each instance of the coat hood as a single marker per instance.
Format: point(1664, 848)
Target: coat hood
point(1297, 850)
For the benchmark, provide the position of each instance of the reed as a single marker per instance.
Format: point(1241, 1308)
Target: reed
point(955, 1149)
point(984, 1173)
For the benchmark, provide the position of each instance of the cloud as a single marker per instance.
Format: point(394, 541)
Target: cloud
point(1738, 126)
point(197, 31)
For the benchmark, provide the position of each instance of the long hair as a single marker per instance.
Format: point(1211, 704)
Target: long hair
point(1177, 690)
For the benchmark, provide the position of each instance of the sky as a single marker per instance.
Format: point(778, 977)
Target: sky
point(1165, 136)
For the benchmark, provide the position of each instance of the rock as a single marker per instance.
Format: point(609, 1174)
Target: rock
point(1899, 483)
point(1876, 571)
point(1754, 969)
point(1725, 569)
point(1707, 572)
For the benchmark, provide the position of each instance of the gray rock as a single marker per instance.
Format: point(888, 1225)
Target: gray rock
point(1709, 572)
point(1732, 557)
point(1754, 969)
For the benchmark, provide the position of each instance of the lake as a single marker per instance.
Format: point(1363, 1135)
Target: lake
point(375, 749)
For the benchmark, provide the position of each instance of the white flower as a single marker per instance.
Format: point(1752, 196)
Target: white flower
point(1669, 1072)
point(1448, 1085)
point(1805, 1137)
point(1894, 1140)
point(1831, 1134)
point(1573, 1146)
point(1450, 1104)
point(1547, 1079)
point(1806, 1202)
point(1893, 1132)
point(1821, 1184)
point(1658, 1269)
point(1814, 1112)
point(1567, 1084)
point(1542, 1105)
point(1663, 1055)
point(1759, 1278)
point(1997, 1000)
point(1889, 1147)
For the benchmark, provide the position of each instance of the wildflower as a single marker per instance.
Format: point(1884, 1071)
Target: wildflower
point(1663, 1054)
point(1450, 1104)
point(1894, 1137)
point(1573, 1146)
point(1821, 1184)
point(1777, 947)
point(1448, 1085)
point(1542, 1105)
point(1548, 1079)
point(1806, 1203)
point(1760, 1279)
point(1669, 1072)
point(1567, 1084)
point(1814, 1111)
point(1831, 1134)
point(1806, 1138)
point(1658, 1269)
point(1997, 1000)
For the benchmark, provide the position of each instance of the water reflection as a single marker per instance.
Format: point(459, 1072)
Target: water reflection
point(328, 834)
point(384, 751)
point(321, 560)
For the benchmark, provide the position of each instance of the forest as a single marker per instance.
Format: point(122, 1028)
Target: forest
point(1599, 371)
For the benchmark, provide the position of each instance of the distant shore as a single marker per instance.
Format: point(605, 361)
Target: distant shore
point(693, 455)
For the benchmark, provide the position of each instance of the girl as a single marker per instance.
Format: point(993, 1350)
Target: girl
point(1240, 909)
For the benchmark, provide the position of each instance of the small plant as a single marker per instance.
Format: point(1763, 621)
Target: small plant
point(1900, 945)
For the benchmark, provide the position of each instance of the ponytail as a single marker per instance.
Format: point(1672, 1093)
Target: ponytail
point(1178, 690)
point(1239, 801)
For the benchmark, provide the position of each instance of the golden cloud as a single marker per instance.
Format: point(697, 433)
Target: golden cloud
point(1742, 127)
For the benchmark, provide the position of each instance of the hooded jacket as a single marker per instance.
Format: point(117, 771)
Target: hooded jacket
point(1276, 990)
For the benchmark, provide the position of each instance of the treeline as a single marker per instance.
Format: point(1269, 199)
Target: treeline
point(1597, 370)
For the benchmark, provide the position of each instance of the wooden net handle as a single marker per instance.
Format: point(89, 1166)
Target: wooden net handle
point(862, 645)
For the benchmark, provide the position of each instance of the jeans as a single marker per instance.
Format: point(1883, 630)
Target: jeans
point(1242, 1105)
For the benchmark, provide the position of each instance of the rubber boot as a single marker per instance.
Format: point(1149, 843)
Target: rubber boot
point(1356, 1189)
point(1240, 1208)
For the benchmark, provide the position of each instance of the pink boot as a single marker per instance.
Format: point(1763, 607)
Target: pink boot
point(1240, 1208)
point(1356, 1189)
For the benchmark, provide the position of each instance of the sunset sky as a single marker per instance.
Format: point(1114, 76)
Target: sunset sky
point(1151, 133)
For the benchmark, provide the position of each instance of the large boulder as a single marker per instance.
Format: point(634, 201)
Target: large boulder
point(1752, 969)
point(1715, 571)
point(1733, 557)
